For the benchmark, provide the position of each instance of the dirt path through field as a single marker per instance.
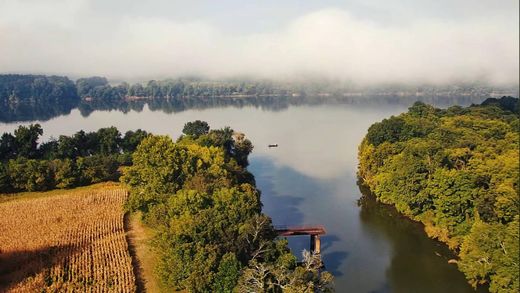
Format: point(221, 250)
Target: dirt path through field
point(143, 259)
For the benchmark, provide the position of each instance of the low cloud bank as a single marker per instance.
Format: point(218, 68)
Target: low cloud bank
point(328, 43)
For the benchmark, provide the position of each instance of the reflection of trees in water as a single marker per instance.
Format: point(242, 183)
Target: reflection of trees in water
point(175, 105)
point(45, 111)
point(418, 264)
point(25, 111)
point(86, 108)
point(267, 103)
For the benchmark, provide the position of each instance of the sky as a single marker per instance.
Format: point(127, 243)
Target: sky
point(361, 41)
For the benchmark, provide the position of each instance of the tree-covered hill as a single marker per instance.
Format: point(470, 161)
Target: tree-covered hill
point(457, 171)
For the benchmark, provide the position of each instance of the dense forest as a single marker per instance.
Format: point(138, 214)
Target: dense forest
point(457, 171)
point(65, 162)
point(98, 88)
point(30, 97)
point(15, 89)
point(211, 235)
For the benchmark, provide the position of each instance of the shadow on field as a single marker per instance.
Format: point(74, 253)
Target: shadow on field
point(15, 267)
point(136, 263)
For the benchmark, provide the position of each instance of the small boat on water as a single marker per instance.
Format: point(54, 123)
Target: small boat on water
point(273, 145)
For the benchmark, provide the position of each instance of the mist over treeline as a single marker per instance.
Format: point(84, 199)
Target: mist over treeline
point(41, 97)
point(367, 43)
point(16, 88)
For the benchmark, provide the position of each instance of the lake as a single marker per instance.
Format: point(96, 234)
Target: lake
point(311, 179)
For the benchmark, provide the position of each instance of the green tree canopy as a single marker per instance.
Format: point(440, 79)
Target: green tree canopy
point(196, 128)
point(206, 214)
point(457, 171)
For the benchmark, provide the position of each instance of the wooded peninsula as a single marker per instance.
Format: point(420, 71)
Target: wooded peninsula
point(195, 194)
point(457, 171)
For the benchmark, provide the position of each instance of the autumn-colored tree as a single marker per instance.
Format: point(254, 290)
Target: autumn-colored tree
point(457, 171)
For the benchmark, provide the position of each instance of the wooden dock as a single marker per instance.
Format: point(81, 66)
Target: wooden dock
point(314, 231)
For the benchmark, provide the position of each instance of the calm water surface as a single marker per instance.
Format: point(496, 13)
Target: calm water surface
point(311, 179)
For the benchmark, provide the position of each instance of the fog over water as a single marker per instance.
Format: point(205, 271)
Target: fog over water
point(368, 42)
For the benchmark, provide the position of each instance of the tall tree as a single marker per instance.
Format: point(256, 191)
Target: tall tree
point(196, 128)
point(26, 140)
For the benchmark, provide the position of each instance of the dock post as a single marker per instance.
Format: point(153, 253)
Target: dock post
point(313, 243)
point(317, 244)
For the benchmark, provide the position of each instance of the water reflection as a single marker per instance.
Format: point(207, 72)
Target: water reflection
point(283, 208)
point(411, 249)
point(34, 111)
point(334, 260)
point(45, 111)
point(357, 259)
point(293, 198)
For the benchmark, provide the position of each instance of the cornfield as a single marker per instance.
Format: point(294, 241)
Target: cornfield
point(74, 242)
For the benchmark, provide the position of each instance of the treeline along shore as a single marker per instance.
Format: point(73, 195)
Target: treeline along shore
point(64, 162)
point(40, 97)
point(457, 171)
